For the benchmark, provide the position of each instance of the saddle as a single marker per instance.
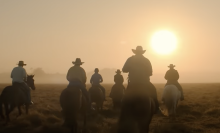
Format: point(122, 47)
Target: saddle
point(95, 88)
point(17, 85)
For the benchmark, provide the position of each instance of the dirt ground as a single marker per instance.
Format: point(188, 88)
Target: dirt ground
point(198, 113)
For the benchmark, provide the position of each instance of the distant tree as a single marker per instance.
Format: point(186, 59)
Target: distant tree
point(39, 72)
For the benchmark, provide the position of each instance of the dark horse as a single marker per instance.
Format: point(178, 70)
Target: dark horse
point(73, 104)
point(13, 96)
point(116, 94)
point(96, 96)
point(137, 111)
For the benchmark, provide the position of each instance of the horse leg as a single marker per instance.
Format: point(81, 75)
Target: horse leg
point(143, 126)
point(19, 111)
point(114, 106)
point(101, 105)
point(1, 111)
point(75, 127)
point(84, 123)
point(7, 112)
point(97, 106)
point(27, 107)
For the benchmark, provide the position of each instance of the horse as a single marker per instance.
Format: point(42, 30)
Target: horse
point(171, 95)
point(137, 110)
point(96, 96)
point(116, 94)
point(73, 104)
point(13, 96)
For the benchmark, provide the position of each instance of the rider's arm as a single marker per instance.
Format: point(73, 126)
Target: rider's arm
point(91, 79)
point(24, 75)
point(101, 80)
point(122, 78)
point(67, 75)
point(126, 66)
point(12, 73)
point(115, 79)
point(166, 75)
point(177, 74)
point(84, 76)
point(150, 69)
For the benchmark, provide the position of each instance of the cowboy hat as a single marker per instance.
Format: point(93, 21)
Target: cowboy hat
point(118, 71)
point(21, 63)
point(77, 62)
point(138, 49)
point(171, 65)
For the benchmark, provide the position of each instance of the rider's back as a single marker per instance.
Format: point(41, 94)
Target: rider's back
point(172, 75)
point(118, 79)
point(139, 69)
point(76, 73)
point(95, 79)
point(18, 74)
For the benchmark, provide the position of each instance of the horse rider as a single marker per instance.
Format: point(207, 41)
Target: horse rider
point(140, 70)
point(118, 78)
point(19, 75)
point(96, 79)
point(172, 77)
point(76, 76)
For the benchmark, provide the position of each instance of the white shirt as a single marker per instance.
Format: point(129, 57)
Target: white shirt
point(18, 74)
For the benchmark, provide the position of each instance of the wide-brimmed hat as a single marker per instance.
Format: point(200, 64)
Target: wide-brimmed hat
point(171, 65)
point(138, 49)
point(21, 63)
point(118, 71)
point(77, 62)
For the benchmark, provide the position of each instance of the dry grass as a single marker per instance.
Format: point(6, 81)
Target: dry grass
point(199, 113)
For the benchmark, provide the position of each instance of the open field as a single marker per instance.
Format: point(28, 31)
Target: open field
point(199, 113)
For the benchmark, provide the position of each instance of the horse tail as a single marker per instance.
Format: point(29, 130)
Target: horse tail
point(170, 99)
point(71, 103)
point(136, 114)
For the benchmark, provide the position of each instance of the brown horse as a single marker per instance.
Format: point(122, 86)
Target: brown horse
point(73, 105)
point(96, 96)
point(136, 112)
point(13, 96)
point(116, 94)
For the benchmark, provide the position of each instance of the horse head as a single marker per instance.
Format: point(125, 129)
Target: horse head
point(30, 81)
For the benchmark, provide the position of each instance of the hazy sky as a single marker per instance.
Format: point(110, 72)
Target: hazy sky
point(52, 33)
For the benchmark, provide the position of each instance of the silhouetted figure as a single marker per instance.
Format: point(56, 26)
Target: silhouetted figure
point(117, 90)
point(140, 70)
point(118, 78)
point(96, 79)
point(172, 77)
point(77, 78)
point(15, 96)
point(19, 76)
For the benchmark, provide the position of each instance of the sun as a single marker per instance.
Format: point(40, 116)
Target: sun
point(164, 42)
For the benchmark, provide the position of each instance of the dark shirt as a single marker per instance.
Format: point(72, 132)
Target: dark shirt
point(96, 79)
point(118, 78)
point(139, 69)
point(172, 75)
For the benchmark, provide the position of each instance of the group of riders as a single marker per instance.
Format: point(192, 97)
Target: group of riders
point(138, 67)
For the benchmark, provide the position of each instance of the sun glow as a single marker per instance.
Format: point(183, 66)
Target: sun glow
point(164, 42)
